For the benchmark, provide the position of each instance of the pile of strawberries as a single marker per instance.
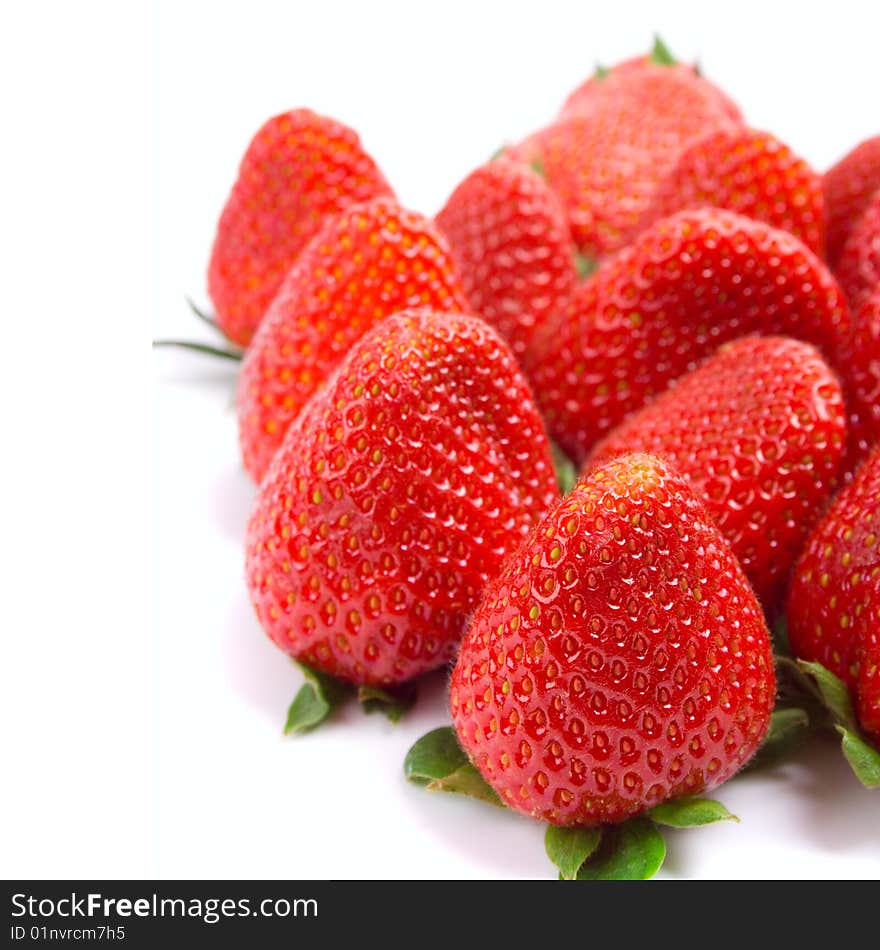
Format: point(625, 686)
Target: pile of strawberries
point(589, 435)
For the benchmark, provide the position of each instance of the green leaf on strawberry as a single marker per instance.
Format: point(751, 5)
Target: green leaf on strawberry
point(205, 348)
point(232, 352)
point(202, 315)
point(788, 727)
point(832, 691)
point(438, 762)
point(863, 758)
point(585, 265)
point(690, 812)
point(632, 851)
point(661, 55)
point(392, 701)
point(601, 72)
point(566, 472)
point(568, 848)
point(317, 698)
point(779, 635)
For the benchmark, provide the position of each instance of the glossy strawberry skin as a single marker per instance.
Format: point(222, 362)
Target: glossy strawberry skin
point(848, 187)
point(859, 352)
point(605, 164)
point(869, 677)
point(367, 263)
point(620, 658)
point(686, 285)
point(299, 170)
point(397, 494)
point(858, 267)
point(512, 249)
point(758, 429)
point(750, 172)
point(834, 602)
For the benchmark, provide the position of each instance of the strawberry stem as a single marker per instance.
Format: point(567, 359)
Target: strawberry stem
point(204, 317)
point(203, 348)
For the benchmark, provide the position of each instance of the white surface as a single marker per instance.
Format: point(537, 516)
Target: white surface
point(142, 706)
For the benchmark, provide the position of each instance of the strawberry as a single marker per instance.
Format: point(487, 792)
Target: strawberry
point(858, 267)
point(859, 353)
point(834, 602)
point(605, 82)
point(397, 494)
point(848, 188)
point(758, 429)
point(605, 164)
point(619, 659)
point(512, 248)
point(686, 285)
point(750, 172)
point(368, 262)
point(300, 169)
point(869, 677)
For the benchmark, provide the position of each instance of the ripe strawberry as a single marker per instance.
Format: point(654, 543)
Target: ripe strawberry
point(397, 494)
point(858, 267)
point(512, 248)
point(859, 352)
point(758, 429)
point(606, 82)
point(299, 170)
point(619, 659)
point(749, 172)
point(848, 188)
point(368, 262)
point(686, 285)
point(869, 677)
point(605, 164)
point(834, 602)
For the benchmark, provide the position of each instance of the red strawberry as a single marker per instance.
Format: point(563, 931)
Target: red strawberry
point(619, 659)
point(512, 248)
point(758, 429)
point(686, 285)
point(859, 353)
point(848, 188)
point(398, 493)
point(299, 169)
point(834, 602)
point(869, 677)
point(605, 164)
point(365, 264)
point(858, 267)
point(605, 82)
point(752, 173)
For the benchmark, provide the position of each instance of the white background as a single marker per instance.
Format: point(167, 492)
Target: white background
point(142, 707)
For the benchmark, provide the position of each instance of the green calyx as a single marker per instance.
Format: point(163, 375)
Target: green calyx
point(566, 471)
point(439, 763)
point(830, 693)
point(318, 697)
point(660, 53)
point(391, 701)
point(632, 850)
point(230, 352)
point(204, 348)
point(321, 695)
point(585, 265)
